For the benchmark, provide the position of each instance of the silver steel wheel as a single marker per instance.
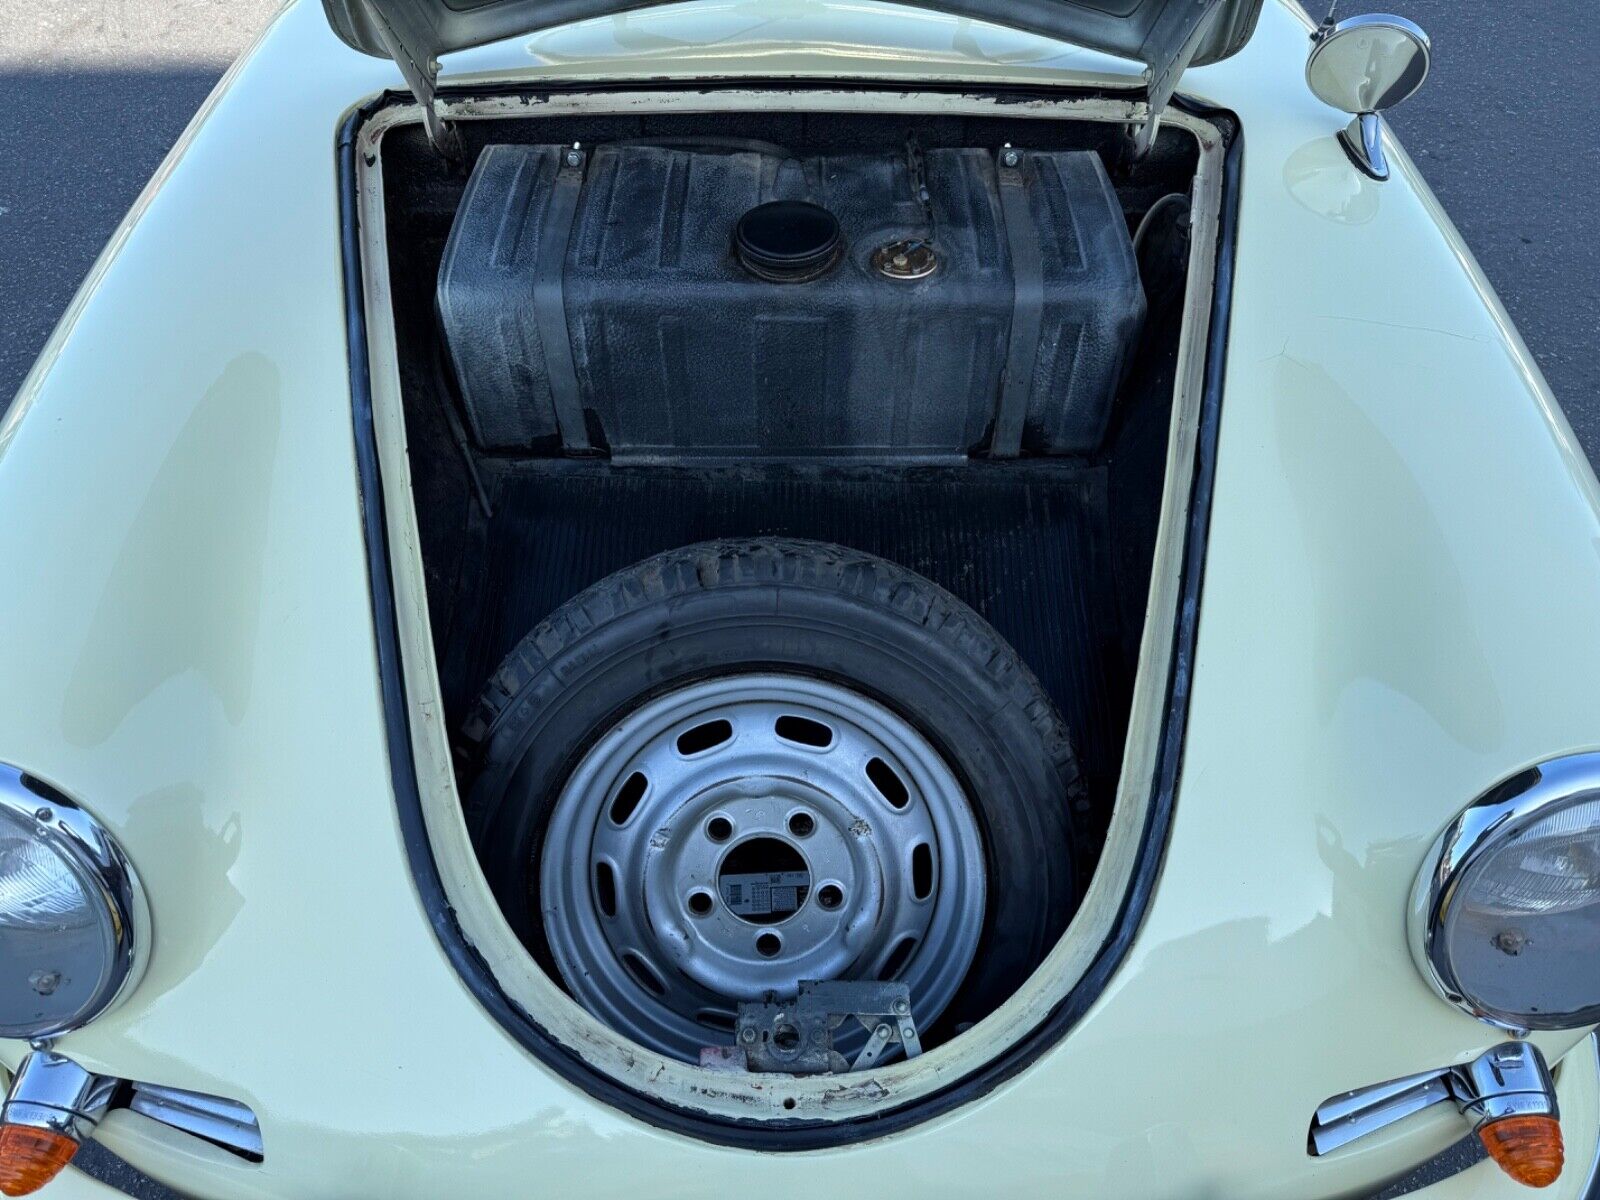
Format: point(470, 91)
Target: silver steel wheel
point(741, 834)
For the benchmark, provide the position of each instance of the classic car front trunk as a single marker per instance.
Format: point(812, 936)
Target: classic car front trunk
point(1050, 536)
point(1053, 549)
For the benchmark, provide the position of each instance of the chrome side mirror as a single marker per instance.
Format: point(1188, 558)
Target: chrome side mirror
point(1362, 66)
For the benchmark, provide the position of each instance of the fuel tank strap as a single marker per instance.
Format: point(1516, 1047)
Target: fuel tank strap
point(1027, 274)
point(549, 302)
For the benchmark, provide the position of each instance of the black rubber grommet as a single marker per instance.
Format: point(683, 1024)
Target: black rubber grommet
point(788, 241)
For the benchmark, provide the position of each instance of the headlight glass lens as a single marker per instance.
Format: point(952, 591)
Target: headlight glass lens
point(65, 944)
point(1552, 868)
point(1518, 926)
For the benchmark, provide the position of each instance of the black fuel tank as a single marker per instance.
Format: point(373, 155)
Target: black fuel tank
point(680, 343)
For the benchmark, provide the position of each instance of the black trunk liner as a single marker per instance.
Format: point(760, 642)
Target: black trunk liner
point(1026, 545)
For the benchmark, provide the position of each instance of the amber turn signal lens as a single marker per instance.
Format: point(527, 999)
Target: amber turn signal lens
point(1527, 1148)
point(31, 1158)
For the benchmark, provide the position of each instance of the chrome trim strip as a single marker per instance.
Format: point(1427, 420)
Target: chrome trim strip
point(1344, 1118)
point(1500, 812)
point(222, 1122)
point(1509, 1079)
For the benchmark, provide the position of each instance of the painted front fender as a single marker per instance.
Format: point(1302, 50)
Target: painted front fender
point(1399, 610)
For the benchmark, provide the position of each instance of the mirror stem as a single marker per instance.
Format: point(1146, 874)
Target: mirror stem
point(1362, 140)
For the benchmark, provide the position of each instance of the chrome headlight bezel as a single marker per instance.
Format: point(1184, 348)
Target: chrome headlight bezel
point(1502, 813)
point(113, 890)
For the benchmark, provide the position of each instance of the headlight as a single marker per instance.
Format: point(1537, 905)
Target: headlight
point(1505, 920)
point(72, 918)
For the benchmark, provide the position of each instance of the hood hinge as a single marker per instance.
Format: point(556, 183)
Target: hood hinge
point(421, 72)
point(1169, 50)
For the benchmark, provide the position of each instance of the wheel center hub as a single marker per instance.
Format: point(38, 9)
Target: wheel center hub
point(764, 880)
point(756, 882)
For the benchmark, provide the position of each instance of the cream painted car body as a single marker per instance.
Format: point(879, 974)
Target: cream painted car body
point(1398, 611)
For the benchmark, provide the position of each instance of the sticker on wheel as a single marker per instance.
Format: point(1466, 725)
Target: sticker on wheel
point(775, 894)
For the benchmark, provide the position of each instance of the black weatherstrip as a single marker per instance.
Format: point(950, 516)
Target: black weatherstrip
point(792, 1135)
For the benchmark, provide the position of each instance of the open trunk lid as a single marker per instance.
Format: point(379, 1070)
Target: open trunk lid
point(1165, 35)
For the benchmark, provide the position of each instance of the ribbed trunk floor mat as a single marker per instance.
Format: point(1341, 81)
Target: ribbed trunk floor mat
point(1026, 545)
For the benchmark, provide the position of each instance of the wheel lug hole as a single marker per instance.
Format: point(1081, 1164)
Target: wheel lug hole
point(768, 945)
point(830, 896)
point(701, 903)
point(719, 829)
point(802, 824)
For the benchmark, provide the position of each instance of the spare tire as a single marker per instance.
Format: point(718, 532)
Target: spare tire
point(740, 764)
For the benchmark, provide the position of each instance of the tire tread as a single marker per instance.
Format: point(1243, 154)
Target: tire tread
point(789, 561)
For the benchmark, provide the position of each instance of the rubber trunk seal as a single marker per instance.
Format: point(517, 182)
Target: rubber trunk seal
point(798, 1135)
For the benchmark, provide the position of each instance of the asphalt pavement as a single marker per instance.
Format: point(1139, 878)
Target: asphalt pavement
point(96, 91)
